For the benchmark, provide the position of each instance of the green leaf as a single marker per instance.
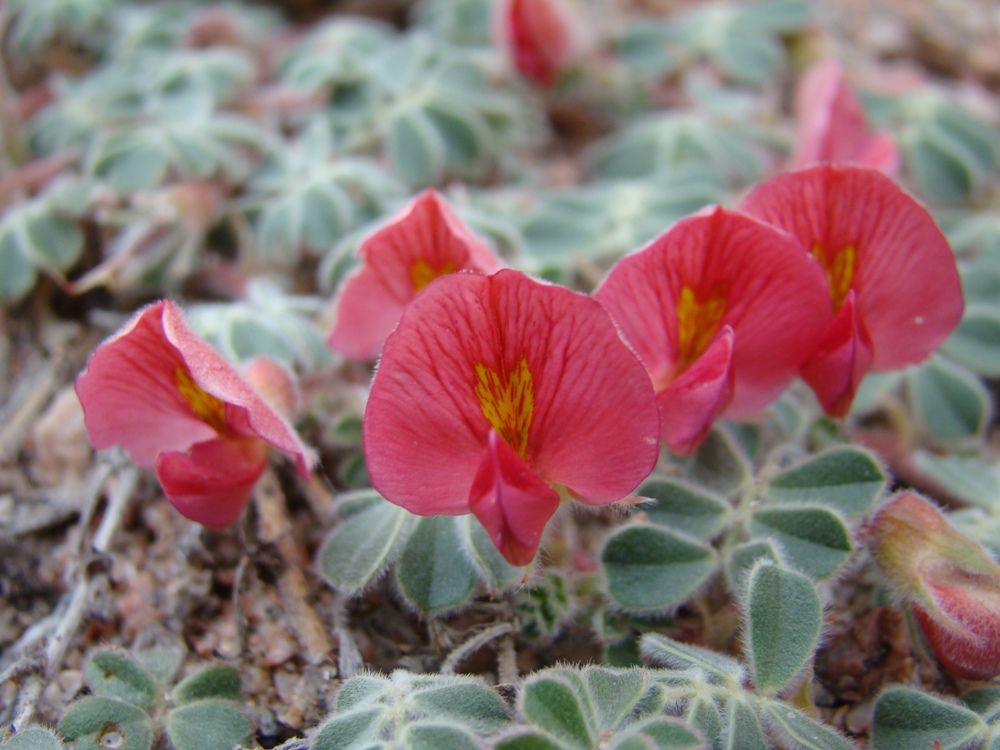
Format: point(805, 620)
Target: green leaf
point(436, 736)
point(650, 568)
point(743, 557)
point(975, 342)
point(703, 714)
point(161, 662)
point(784, 617)
point(114, 674)
point(849, 480)
point(720, 464)
point(415, 148)
point(814, 540)
point(208, 725)
point(360, 546)
point(32, 738)
point(350, 731)
point(19, 272)
point(908, 719)
point(684, 508)
point(528, 739)
point(614, 693)
point(216, 681)
point(718, 667)
point(96, 723)
point(428, 572)
point(467, 702)
point(551, 703)
point(362, 691)
point(971, 478)
point(743, 730)
point(950, 401)
point(985, 701)
point(664, 734)
point(801, 731)
point(491, 565)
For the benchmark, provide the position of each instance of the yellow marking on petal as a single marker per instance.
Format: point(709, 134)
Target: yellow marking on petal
point(839, 271)
point(422, 273)
point(507, 402)
point(697, 323)
point(211, 409)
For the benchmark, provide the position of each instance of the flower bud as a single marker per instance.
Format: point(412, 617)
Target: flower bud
point(950, 581)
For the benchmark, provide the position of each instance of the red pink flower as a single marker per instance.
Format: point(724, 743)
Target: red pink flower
point(424, 241)
point(722, 310)
point(950, 581)
point(540, 37)
point(498, 395)
point(893, 286)
point(833, 127)
point(173, 403)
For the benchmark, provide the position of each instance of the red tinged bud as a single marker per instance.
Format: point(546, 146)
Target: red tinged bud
point(950, 581)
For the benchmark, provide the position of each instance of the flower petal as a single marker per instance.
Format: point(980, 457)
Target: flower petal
point(511, 501)
point(246, 413)
point(130, 396)
point(909, 296)
point(425, 241)
point(210, 483)
point(833, 126)
point(691, 403)
point(588, 417)
point(843, 356)
point(773, 296)
point(540, 37)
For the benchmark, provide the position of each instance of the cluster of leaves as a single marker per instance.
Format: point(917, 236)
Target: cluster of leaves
point(130, 706)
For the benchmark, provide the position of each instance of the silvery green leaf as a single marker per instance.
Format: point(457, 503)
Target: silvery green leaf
point(847, 479)
point(972, 478)
point(428, 572)
point(703, 714)
point(743, 731)
point(96, 723)
point(908, 719)
point(361, 545)
point(462, 700)
point(32, 738)
point(802, 732)
point(490, 564)
point(650, 568)
point(217, 681)
point(550, 703)
point(975, 342)
point(813, 539)
point(614, 693)
point(112, 673)
point(684, 507)
point(985, 701)
point(950, 402)
point(661, 733)
point(719, 667)
point(528, 739)
point(744, 556)
point(719, 463)
point(208, 725)
point(427, 735)
point(354, 730)
point(784, 617)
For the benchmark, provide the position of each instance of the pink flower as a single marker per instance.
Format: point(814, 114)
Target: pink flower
point(950, 581)
point(893, 285)
point(540, 37)
point(424, 241)
point(833, 126)
point(174, 403)
point(493, 392)
point(722, 309)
